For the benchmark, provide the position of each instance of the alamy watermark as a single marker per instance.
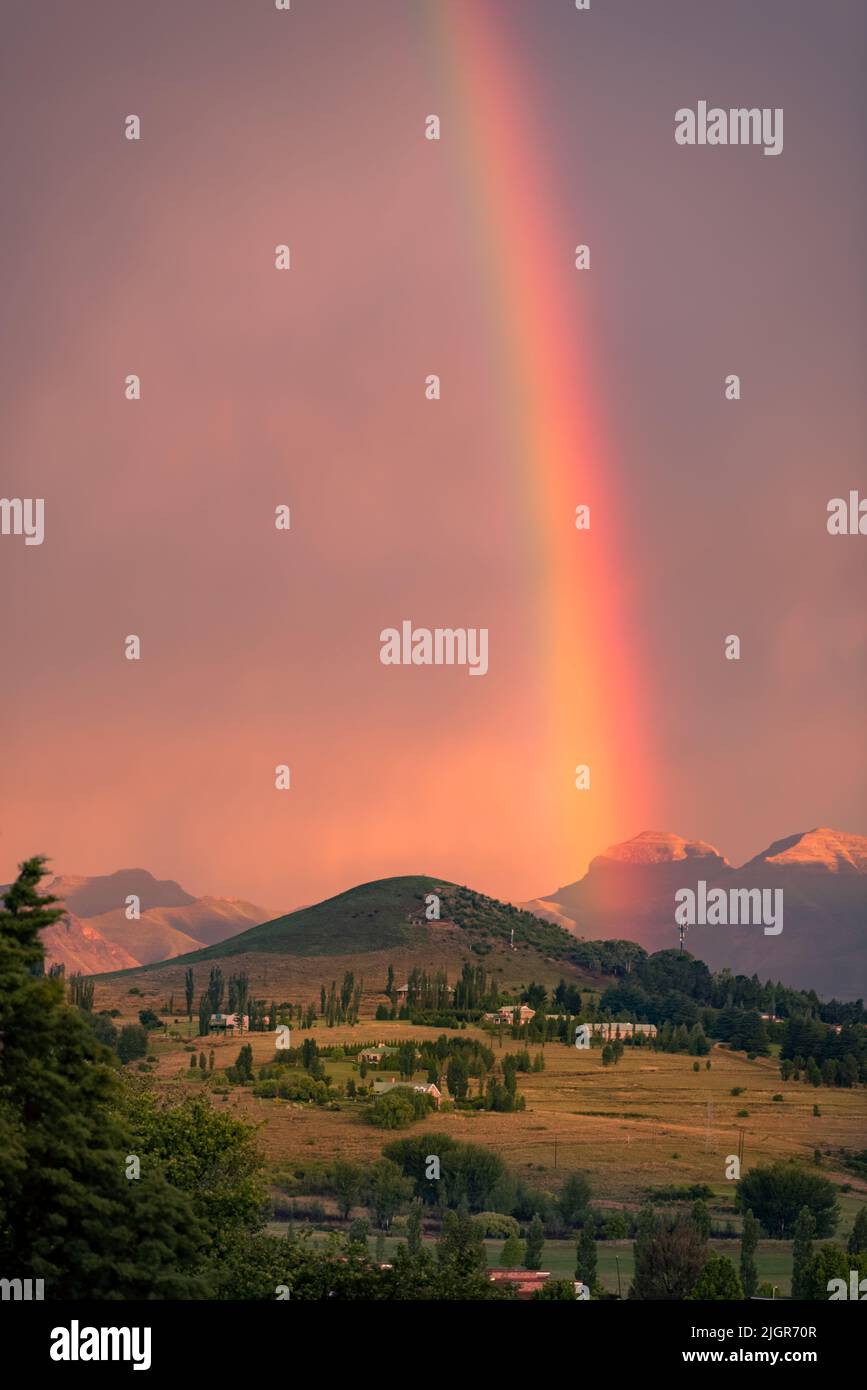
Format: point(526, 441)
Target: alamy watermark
point(746, 907)
point(739, 125)
point(439, 646)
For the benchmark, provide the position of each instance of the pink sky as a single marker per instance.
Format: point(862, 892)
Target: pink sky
point(307, 387)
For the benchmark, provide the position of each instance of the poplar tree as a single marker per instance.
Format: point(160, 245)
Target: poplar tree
point(749, 1242)
point(802, 1252)
point(535, 1244)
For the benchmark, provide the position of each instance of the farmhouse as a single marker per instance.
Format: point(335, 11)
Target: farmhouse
point(511, 1013)
point(229, 1023)
point(375, 1056)
point(381, 1088)
point(623, 1030)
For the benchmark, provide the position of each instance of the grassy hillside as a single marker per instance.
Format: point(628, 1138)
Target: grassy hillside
point(389, 914)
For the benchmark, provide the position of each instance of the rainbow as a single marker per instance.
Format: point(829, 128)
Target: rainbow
point(553, 433)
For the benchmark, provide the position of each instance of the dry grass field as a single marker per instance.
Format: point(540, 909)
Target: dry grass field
point(649, 1121)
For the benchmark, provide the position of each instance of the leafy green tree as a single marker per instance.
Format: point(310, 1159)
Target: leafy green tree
point(776, 1194)
point(831, 1262)
point(414, 1227)
point(512, 1254)
point(668, 1262)
point(345, 1182)
point(535, 1244)
point(207, 1153)
point(132, 1042)
point(68, 1214)
point(387, 1191)
point(802, 1251)
point(460, 1248)
point(574, 1199)
point(358, 1233)
point(718, 1281)
point(457, 1077)
point(700, 1217)
point(749, 1244)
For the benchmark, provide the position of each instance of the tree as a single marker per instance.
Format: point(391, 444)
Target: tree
point(461, 1248)
point(831, 1262)
point(857, 1243)
point(512, 1254)
point(358, 1233)
point(776, 1194)
point(81, 992)
point(749, 1243)
point(585, 1266)
point(535, 1244)
point(414, 1227)
point(574, 1199)
point(188, 991)
point(68, 1214)
point(346, 1185)
point(132, 1042)
point(718, 1281)
point(802, 1251)
point(215, 989)
point(206, 1153)
point(457, 1077)
point(387, 1191)
point(700, 1217)
point(205, 1012)
point(668, 1262)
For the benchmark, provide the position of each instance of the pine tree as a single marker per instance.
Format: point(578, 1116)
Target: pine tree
point(192, 1060)
point(203, 1062)
point(68, 1214)
point(189, 991)
point(749, 1242)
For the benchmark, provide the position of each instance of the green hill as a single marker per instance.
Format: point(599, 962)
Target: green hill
point(389, 914)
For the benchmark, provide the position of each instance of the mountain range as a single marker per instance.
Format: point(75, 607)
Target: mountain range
point(629, 892)
point(96, 936)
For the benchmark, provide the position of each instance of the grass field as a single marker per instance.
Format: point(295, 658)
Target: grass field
point(651, 1121)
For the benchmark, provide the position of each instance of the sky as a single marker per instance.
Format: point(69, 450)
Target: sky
point(305, 387)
